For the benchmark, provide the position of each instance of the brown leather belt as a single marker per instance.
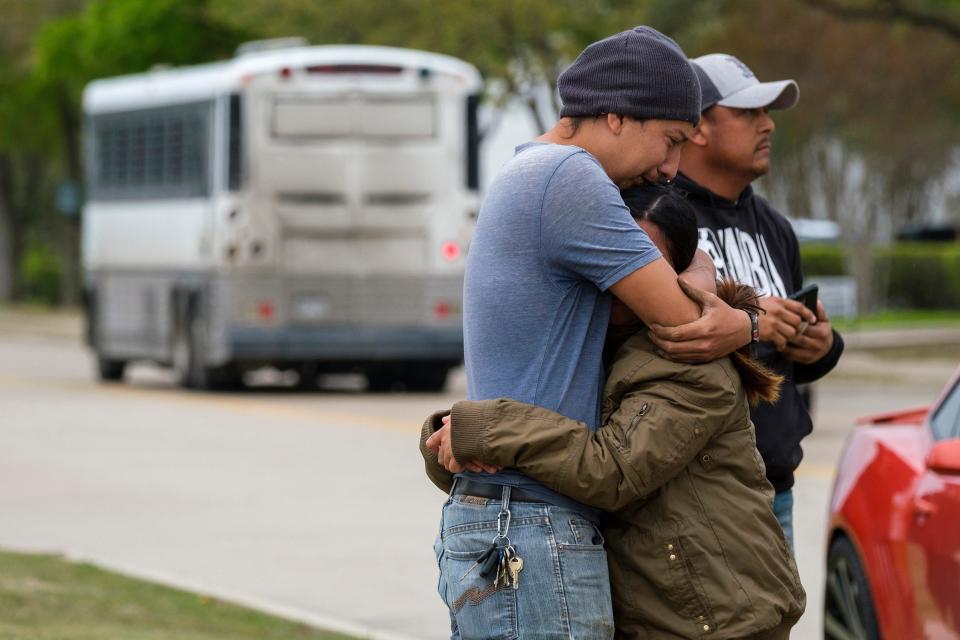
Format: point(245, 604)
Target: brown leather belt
point(464, 487)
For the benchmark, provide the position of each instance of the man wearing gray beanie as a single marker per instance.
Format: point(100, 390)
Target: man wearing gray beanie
point(553, 241)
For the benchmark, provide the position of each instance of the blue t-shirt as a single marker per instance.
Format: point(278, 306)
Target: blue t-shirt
point(552, 236)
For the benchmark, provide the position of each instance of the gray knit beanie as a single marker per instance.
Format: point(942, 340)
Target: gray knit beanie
point(640, 73)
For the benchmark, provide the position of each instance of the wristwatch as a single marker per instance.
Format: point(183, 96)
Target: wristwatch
point(754, 326)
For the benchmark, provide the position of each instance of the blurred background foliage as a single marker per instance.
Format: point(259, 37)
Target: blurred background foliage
point(873, 144)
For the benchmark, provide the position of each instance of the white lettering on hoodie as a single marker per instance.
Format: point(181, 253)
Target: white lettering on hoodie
point(743, 257)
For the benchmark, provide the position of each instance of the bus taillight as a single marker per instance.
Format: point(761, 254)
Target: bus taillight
point(285, 73)
point(441, 310)
point(450, 250)
point(266, 310)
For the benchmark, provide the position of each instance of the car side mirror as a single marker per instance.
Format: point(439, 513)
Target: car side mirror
point(944, 457)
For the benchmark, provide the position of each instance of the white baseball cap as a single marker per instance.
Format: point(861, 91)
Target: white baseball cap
point(726, 81)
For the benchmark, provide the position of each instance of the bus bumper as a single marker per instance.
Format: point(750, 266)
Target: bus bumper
point(347, 344)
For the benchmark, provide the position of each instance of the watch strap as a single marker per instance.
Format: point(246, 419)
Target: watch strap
point(754, 327)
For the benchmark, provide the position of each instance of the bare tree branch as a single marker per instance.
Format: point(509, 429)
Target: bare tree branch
point(890, 11)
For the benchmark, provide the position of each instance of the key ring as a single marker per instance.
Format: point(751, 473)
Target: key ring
point(503, 520)
point(503, 524)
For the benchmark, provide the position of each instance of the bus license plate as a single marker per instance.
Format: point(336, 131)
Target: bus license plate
point(311, 307)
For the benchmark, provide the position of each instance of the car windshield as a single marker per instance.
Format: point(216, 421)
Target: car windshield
point(946, 422)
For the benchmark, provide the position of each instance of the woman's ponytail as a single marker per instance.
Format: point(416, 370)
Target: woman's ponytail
point(759, 382)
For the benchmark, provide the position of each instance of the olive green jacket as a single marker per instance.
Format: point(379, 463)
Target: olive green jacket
point(693, 546)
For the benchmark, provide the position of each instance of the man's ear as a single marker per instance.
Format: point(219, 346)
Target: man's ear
point(615, 123)
point(701, 133)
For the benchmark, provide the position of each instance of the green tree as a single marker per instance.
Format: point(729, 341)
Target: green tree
point(108, 38)
point(874, 133)
point(878, 121)
point(522, 43)
point(113, 37)
point(935, 15)
point(27, 138)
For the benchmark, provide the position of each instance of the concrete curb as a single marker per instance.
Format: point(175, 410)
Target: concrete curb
point(67, 325)
point(39, 324)
point(320, 621)
point(878, 339)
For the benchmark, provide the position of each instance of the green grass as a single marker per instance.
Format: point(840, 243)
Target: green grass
point(904, 319)
point(44, 597)
point(38, 309)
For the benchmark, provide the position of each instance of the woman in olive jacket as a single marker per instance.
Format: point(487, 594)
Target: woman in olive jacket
point(693, 546)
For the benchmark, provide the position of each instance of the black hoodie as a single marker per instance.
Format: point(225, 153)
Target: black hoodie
point(755, 245)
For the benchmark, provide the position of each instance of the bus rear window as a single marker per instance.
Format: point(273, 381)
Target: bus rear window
point(235, 144)
point(473, 143)
point(150, 153)
point(406, 117)
point(354, 69)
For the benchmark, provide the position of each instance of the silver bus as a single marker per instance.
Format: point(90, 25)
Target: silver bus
point(307, 208)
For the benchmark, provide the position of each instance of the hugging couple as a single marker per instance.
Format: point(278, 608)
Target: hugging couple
point(598, 488)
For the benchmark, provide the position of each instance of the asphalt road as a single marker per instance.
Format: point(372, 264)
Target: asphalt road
point(310, 504)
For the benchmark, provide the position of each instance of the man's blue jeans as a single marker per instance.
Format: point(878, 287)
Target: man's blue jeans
point(783, 509)
point(564, 588)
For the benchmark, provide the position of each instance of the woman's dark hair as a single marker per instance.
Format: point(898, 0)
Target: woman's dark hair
point(669, 210)
point(672, 214)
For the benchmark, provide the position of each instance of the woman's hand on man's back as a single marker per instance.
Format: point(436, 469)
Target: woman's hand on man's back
point(441, 442)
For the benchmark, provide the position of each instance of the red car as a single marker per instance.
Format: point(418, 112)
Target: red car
point(893, 565)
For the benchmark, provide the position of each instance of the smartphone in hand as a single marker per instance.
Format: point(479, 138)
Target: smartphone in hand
point(808, 295)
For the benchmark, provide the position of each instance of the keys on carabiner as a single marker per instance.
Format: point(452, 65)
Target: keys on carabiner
point(490, 560)
point(515, 566)
point(508, 574)
point(504, 572)
point(483, 561)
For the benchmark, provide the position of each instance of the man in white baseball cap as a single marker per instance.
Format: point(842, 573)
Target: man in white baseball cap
point(730, 83)
point(754, 244)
